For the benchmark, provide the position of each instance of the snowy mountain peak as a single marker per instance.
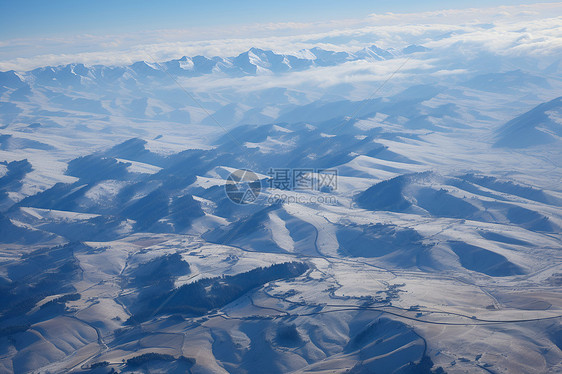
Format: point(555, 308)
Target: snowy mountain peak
point(253, 61)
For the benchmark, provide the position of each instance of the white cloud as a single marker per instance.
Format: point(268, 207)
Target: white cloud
point(362, 76)
point(519, 30)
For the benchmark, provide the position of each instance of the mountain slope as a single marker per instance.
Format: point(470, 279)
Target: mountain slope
point(541, 125)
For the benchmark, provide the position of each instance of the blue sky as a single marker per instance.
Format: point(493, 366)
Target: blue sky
point(35, 33)
point(38, 18)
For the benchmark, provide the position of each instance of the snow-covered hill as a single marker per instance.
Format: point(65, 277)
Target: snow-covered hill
point(435, 247)
point(539, 126)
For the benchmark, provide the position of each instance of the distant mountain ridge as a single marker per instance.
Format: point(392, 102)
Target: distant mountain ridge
point(253, 61)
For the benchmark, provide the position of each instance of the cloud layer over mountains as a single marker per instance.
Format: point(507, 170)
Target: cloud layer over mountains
point(515, 30)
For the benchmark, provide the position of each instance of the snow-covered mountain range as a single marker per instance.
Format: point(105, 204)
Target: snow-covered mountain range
point(253, 61)
point(437, 249)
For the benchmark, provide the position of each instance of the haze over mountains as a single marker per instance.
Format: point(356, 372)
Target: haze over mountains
point(437, 250)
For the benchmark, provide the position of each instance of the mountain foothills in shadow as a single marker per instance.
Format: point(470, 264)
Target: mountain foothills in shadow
point(41, 273)
point(459, 197)
point(11, 233)
point(381, 240)
point(541, 125)
point(484, 261)
point(199, 297)
point(92, 168)
point(158, 270)
point(385, 337)
point(12, 180)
